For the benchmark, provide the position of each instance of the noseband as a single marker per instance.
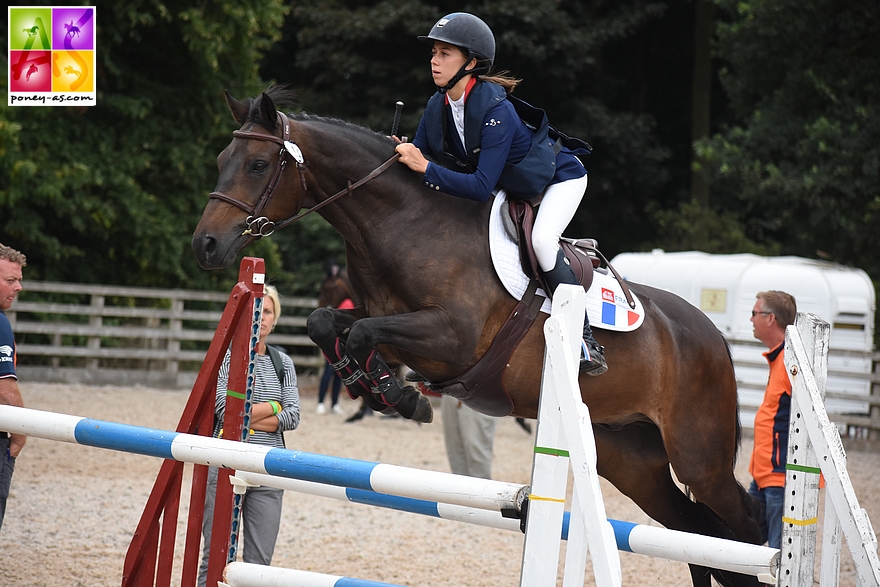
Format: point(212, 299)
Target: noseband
point(259, 226)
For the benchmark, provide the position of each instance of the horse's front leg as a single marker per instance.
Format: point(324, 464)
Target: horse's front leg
point(329, 328)
point(417, 333)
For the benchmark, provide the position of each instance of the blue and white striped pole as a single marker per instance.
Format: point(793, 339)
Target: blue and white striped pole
point(727, 555)
point(404, 481)
point(479, 500)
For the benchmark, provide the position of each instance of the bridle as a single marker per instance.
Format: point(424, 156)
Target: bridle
point(259, 226)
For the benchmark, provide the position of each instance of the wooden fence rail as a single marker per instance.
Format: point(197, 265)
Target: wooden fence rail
point(81, 333)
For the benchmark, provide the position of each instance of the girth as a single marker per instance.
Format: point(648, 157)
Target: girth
point(482, 386)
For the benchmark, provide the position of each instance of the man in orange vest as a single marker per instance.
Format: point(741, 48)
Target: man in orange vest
point(773, 311)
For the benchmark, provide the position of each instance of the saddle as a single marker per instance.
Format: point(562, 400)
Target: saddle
point(481, 387)
point(582, 254)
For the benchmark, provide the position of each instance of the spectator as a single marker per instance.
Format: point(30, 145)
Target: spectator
point(469, 437)
point(274, 409)
point(773, 311)
point(11, 264)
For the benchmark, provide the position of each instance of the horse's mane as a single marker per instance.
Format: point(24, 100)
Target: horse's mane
point(283, 97)
point(342, 125)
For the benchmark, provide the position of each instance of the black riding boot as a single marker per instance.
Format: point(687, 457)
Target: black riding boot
point(592, 354)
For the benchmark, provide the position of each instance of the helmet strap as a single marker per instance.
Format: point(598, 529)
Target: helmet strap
point(477, 70)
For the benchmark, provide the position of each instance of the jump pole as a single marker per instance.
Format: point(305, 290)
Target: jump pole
point(251, 575)
point(727, 555)
point(457, 497)
point(215, 452)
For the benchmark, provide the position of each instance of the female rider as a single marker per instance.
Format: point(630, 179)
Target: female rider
point(478, 143)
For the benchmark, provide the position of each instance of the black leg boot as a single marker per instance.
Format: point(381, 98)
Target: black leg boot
point(592, 353)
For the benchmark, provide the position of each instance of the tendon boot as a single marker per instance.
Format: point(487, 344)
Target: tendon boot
point(384, 386)
point(348, 370)
point(592, 353)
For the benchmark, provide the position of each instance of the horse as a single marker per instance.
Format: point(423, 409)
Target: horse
point(335, 288)
point(419, 263)
point(72, 29)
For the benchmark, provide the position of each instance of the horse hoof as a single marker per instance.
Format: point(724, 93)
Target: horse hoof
point(414, 406)
point(424, 412)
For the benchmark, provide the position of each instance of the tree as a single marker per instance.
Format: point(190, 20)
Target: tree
point(112, 193)
point(800, 165)
point(594, 67)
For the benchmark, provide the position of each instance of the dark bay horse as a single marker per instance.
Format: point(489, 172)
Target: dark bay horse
point(419, 264)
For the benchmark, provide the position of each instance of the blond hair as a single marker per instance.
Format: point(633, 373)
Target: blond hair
point(272, 294)
point(11, 255)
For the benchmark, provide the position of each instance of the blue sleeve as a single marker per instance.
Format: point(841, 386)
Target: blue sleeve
point(7, 348)
point(499, 128)
point(421, 138)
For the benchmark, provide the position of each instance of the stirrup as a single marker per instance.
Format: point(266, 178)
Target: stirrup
point(592, 359)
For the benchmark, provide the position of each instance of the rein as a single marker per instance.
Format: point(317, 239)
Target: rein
point(259, 226)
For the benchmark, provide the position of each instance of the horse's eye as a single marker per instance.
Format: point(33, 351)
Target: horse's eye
point(258, 166)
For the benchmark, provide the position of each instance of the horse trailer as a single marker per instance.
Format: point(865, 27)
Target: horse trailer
point(724, 288)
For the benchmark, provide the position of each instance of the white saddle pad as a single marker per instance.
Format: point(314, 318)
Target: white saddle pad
point(606, 304)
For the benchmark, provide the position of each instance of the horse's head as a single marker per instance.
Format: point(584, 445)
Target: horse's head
point(261, 158)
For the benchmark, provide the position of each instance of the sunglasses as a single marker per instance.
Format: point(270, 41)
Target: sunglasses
point(756, 313)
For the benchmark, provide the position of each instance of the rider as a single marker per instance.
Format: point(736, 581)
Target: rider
point(478, 143)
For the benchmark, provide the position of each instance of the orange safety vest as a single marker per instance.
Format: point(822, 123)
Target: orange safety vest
point(771, 425)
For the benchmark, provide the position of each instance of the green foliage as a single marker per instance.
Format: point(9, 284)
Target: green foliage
point(800, 168)
point(354, 60)
point(112, 193)
point(692, 227)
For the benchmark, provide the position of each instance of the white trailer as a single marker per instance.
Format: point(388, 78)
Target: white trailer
point(724, 287)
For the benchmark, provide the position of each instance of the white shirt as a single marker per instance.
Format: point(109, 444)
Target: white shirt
point(457, 107)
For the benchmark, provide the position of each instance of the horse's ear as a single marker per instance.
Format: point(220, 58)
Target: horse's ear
point(239, 109)
point(267, 110)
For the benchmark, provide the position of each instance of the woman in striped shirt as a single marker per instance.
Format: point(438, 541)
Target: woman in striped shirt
point(274, 409)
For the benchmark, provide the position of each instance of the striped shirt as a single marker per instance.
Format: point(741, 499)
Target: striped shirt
point(266, 388)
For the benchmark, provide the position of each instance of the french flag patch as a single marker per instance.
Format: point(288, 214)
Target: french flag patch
point(609, 310)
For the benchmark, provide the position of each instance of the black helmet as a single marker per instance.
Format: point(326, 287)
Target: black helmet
point(466, 31)
point(469, 33)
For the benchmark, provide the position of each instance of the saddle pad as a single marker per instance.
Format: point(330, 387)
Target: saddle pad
point(606, 304)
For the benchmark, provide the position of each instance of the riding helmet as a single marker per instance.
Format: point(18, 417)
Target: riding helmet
point(466, 31)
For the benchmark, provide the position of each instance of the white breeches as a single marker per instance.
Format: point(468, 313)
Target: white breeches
point(557, 208)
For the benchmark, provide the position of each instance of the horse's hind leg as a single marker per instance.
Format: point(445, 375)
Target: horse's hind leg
point(730, 512)
point(634, 460)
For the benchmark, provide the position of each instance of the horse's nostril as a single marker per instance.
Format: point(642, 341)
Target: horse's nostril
point(204, 246)
point(210, 244)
